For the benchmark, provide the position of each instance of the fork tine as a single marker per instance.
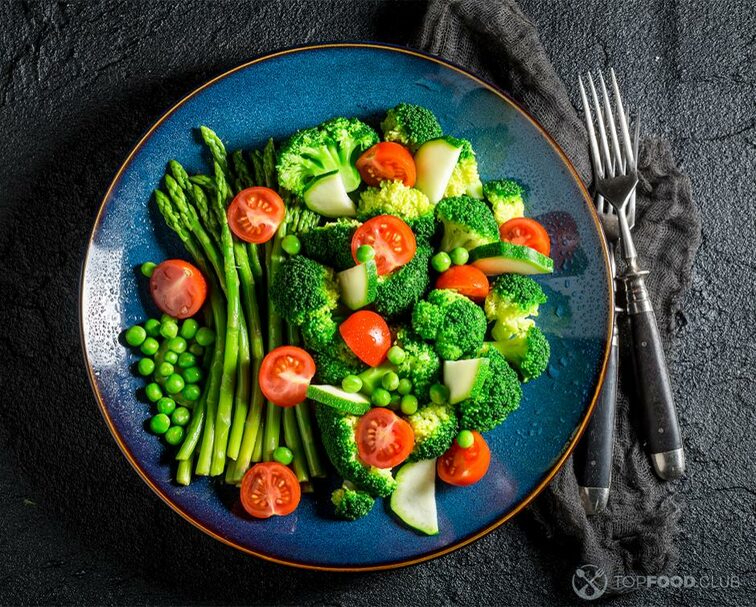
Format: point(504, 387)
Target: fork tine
point(602, 130)
point(595, 155)
point(610, 119)
point(623, 122)
point(636, 138)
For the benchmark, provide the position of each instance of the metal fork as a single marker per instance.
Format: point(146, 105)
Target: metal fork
point(615, 179)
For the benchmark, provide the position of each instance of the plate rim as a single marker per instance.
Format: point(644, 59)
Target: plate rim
point(522, 504)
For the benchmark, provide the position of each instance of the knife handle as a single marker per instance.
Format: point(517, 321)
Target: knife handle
point(593, 456)
point(663, 440)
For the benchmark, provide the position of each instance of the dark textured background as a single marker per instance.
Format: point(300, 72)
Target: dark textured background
point(80, 82)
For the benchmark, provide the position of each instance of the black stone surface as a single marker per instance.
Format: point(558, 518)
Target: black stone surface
point(79, 83)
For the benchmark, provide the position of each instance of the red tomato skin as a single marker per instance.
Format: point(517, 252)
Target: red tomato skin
point(388, 255)
point(467, 280)
point(387, 161)
point(260, 203)
point(266, 507)
point(463, 467)
point(528, 232)
point(376, 423)
point(175, 273)
point(286, 391)
point(367, 335)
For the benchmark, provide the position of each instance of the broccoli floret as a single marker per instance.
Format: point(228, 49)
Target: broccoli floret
point(421, 364)
point(400, 290)
point(500, 395)
point(303, 287)
point(424, 227)
point(350, 503)
point(505, 198)
point(528, 352)
point(411, 125)
point(319, 330)
point(435, 427)
point(468, 222)
point(331, 244)
point(337, 432)
point(465, 178)
point(512, 300)
point(393, 198)
point(330, 146)
point(333, 366)
point(452, 321)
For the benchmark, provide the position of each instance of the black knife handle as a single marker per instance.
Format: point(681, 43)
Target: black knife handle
point(593, 455)
point(651, 376)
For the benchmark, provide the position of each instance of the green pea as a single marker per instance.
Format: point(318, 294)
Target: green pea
point(168, 329)
point(192, 375)
point(152, 326)
point(291, 244)
point(135, 336)
point(174, 435)
point(177, 345)
point(145, 367)
point(465, 439)
point(181, 416)
point(160, 423)
point(409, 404)
point(153, 392)
point(351, 383)
point(170, 357)
point(186, 360)
point(439, 393)
point(166, 405)
point(189, 328)
point(147, 268)
point(396, 355)
point(381, 397)
point(166, 318)
point(365, 253)
point(441, 262)
point(164, 369)
point(191, 392)
point(205, 336)
point(283, 455)
point(149, 346)
point(405, 387)
point(390, 381)
point(459, 256)
point(174, 384)
point(196, 349)
point(396, 400)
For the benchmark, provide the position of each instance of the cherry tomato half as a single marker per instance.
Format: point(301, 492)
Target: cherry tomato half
point(178, 288)
point(255, 214)
point(269, 489)
point(387, 161)
point(462, 467)
point(392, 239)
point(528, 232)
point(367, 335)
point(384, 439)
point(467, 280)
point(285, 373)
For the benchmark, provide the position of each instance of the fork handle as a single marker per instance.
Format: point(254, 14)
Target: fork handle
point(593, 456)
point(663, 440)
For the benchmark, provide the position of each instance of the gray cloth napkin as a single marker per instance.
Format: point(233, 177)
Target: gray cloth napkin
point(497, 41)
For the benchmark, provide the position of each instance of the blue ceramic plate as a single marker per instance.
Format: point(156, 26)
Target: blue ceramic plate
point(273, 96)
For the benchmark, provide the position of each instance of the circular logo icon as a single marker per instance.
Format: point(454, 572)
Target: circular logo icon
point(589, 582)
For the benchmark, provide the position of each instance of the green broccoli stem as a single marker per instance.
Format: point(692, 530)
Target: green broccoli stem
point(304, 422)
point(243, 389)
point(294, 442)
point(231, 352)
point(253, 430)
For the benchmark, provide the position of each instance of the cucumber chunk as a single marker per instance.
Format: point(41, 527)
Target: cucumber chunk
point(435, 161)
point(465, 378)
point(359, 285)
point(346, 402)
point(327, 195)
point(507, 258)
point(414, 499)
